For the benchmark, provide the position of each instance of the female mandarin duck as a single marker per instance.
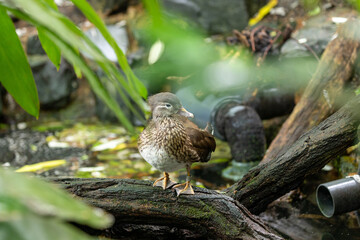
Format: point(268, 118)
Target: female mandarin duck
point(171, 141)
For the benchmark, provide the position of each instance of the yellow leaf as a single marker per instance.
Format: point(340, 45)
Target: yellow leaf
point(263, 12)
point(41, 166)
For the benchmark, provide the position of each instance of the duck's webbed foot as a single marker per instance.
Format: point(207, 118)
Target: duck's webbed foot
point(184, 188)
point(164, 182)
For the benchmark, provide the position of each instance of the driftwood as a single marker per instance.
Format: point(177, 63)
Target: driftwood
point(321, 96)
point(144, 212)
point(306, 156)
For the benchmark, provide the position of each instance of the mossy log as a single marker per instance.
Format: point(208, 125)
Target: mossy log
point(145, 212)
point(324, 92)
point(269, 181)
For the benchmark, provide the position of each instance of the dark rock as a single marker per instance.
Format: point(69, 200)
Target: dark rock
point(245, 133)
point(108, 7)
point(54, 87)
point(33, 46)
point(105, 114)
point(214, 16)
point(210, 174)
point(253, 6)
point(242, 128)
point(316, 39)
point(270, 103)
point(272, 127)
point(118, 32)
point(19, 148)
point(317, 32)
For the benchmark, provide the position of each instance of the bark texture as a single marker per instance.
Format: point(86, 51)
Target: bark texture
point(144, 212)
point(306, 156)
point(324, 91)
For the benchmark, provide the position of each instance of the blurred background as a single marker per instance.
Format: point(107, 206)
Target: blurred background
point(241, 65)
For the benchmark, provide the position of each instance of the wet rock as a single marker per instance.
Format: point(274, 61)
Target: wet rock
point(54, 86)
point(104, 113)
point(316, 34)
point(33, 46)
point(315, 38)
point(254, 6)
point(19, 148)
point(270, 103)
point(210, 174)
point(118, 31)
point(213, 16)
point(108, 7)
point(244, 132)
point(237, 170)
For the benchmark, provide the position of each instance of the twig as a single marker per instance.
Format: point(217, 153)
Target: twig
point(307, 47)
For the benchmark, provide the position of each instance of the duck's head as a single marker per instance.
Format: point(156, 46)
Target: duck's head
point(167, 104)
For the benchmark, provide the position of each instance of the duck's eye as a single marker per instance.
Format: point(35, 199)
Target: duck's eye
point(168, 105)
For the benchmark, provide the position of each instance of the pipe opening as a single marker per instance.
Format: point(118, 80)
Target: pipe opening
point(325, 201)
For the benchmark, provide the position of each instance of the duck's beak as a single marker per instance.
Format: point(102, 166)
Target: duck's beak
point(185, 113)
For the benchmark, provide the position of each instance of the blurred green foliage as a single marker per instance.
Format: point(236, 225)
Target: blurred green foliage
point(355, 3)
point(59, 34)
point(186, 50)
point(30, 208)
point(33, 209)
point(15, 71)
point(310, 4)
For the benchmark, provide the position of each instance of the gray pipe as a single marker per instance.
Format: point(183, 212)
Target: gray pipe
point(338, 196)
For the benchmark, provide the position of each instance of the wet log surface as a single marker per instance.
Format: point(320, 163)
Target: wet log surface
point(306, 156)
point(144, 212)
point(324, 91)
point(292, 221)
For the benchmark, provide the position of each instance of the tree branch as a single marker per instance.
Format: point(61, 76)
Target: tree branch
point(142, 211)
point(323, 94)
point(306, 156)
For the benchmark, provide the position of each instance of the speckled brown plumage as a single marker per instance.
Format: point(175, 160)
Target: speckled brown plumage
point(171, 141)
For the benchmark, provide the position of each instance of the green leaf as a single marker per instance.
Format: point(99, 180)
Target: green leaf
point(50, 48)
point(51, 4)
point(46, 199)
point(93, 17)
point(68, 37)
point(77, 71)
point(357, 91)
point(15, 72)
point(28, 226)
point(94, 81)
point(42, 166)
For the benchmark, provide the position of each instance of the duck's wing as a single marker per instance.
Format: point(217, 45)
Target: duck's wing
point(202, 141)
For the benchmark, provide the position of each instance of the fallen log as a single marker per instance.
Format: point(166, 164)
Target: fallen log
point(324, 91)
point(269, 181)
point(144, 212)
